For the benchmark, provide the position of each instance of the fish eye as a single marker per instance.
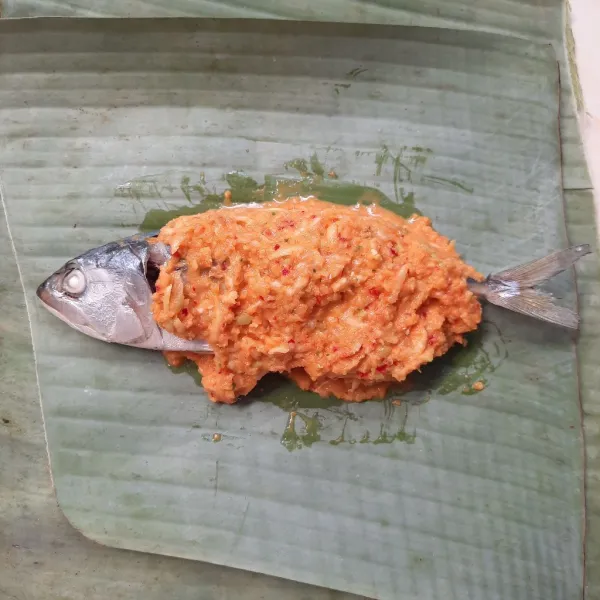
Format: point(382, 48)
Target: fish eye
point(74, 282)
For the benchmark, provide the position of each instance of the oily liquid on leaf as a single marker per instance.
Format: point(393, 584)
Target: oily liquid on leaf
point(310, 418)
point(245, 190)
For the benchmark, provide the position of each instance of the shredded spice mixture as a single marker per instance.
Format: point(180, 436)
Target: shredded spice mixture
point(343, 300)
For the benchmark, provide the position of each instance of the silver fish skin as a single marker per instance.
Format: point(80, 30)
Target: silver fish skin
point(106, 293)
point(517, 289)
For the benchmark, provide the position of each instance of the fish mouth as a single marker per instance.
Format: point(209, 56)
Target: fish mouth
point(44, 294)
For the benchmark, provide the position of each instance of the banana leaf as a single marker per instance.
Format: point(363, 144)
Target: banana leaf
point(110, 127)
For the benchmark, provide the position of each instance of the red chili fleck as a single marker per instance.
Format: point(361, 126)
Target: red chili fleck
point(381, 369)
point(291, 342)
point(375, 292)
point(285, 271)
point(286, 223)
point(276, 247)
point(362, 375)
point(262, 298)
point(335, 348)
point(157, 287)
point(183, 312)
point(313, 216)
point(223, 266)
point(318, 299)
point(431, 339)
point(393, 251)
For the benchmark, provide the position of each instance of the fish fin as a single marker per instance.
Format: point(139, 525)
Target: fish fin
point(534, 303)
point(177, 344)
point(537, 271)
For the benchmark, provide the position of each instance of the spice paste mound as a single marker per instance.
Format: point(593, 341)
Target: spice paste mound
point(343, 300)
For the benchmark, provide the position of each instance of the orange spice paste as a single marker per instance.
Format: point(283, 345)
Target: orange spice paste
point(343, 300)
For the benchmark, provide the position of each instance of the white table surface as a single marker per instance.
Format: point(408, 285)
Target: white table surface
point(585, 24)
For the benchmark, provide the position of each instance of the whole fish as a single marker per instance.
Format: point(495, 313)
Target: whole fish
point(106, 293)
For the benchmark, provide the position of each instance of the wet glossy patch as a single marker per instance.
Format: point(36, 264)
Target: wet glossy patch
point(311, 419)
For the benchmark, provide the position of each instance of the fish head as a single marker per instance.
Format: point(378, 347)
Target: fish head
point(106, 293)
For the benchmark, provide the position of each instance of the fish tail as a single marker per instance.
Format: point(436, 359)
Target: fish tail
point(514, 288)
point(542, 269)
point(534, 303)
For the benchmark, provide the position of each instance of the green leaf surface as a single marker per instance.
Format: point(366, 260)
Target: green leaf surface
point(526, 17)
point(539, 20)
point(446, 495)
